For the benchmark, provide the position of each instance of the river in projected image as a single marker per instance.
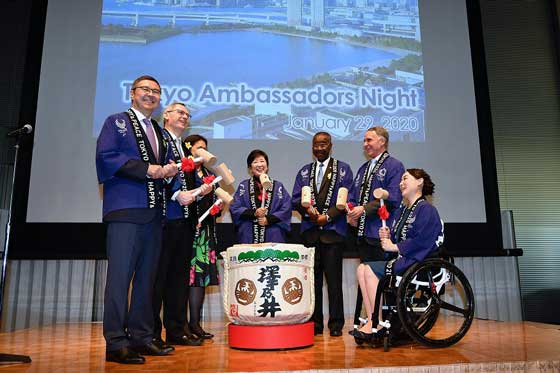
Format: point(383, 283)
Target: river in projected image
point(258, 59)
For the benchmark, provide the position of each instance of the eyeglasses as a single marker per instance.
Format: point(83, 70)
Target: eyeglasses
point(181, 112)
point(148, 90)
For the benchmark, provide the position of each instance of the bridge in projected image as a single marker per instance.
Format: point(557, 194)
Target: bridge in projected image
point(205, 17)
point(402, 27)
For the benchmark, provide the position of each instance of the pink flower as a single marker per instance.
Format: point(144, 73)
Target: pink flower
point(191, 276)
point(212, 255)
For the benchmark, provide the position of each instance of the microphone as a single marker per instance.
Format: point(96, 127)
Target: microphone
point(21, 131)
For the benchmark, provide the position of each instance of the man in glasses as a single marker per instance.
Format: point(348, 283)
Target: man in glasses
point(132, 161)
point(171, 287)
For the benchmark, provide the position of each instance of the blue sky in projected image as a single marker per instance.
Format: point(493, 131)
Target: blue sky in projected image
point(270, 69)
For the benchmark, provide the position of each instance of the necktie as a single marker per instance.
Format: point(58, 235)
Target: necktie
point(320, 176)
point(151, 135)
point(370, 168)
point(179, 147)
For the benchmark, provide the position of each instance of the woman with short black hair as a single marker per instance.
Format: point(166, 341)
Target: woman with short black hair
point(259, 221)
point(417, 232)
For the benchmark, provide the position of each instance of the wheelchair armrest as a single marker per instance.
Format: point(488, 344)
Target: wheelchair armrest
point(444, 254)
point(441, 253)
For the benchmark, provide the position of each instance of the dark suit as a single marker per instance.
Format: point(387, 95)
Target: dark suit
point(171, 287)
point(133, 213)
point(328, 240)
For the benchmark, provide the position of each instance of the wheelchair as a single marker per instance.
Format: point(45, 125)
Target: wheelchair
point(431, 303)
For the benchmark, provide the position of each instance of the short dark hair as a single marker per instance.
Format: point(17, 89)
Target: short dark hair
point(254, 154)
point(194, 138)
point(428, 187)
point(328, 135)
point(144, 77)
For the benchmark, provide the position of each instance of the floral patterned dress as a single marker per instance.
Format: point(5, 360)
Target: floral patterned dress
point(203, 269)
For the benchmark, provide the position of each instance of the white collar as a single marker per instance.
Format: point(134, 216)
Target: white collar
point(374, 160)
point(139, 115)
point(175, 138)
point(325, 162)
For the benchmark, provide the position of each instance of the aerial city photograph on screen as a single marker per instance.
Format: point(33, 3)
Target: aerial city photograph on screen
point(270, 69)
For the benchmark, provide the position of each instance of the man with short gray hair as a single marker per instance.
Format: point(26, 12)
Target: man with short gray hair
point(171, 287)
point(380, 171)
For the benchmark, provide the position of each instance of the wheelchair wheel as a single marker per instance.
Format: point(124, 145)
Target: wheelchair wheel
point(424, 324)
point(435, 303)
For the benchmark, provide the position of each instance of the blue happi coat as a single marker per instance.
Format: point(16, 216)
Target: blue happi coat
point(120, 168)
point(280, 207)
point(174, 210)
point(344, 179)
point(388, 177)
point(422, 234)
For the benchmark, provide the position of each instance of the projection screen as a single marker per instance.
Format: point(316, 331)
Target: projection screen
point(261, 74)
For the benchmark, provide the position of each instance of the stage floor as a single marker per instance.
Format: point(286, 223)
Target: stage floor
point(489, 346)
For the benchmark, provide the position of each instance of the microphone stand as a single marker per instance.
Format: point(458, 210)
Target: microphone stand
point(9, 358)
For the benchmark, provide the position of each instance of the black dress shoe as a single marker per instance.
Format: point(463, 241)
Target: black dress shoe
point(336, 333)
point(197, 329)
point(318, 331)
point(188, 333)
point(152, 349)
point(184, 340)
point(124, 356)
point(161, 344)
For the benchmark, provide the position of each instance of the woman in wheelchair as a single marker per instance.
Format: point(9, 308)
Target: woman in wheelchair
point(416, 232)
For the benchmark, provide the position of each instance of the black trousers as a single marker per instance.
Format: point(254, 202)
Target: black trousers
point(370, 251)
point(132, 252)
point(172, 281)
point(328, 261)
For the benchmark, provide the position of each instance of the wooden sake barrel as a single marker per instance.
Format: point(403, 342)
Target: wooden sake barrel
point(268, 284)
